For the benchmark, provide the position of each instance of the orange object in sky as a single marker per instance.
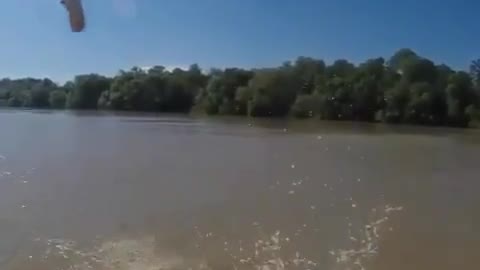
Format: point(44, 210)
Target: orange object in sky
point(75, 13)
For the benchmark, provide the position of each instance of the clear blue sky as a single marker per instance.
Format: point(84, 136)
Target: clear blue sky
point(36, 40)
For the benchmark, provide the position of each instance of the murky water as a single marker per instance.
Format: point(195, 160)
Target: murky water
point(142, 192)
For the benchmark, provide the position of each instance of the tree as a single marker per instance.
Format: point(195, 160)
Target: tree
point(408, 88)
point(244, 99)
point(443, 76)
point(178, 96)
point(367, 97)
point(195, 78)
point(340, 68)
point(422, 105)
point(87, 90)
point(19, 99)
point(460, 97)
point(306, 106)
point(396, 100)
point(57, 99)
point(401, 58)
point(154, 90)
point(475, 70)
point(308, 70)
point(221, 91)
point(274, 91)
point(27, 92)
point(40, 93)
point(39, 98)
point(420, 70)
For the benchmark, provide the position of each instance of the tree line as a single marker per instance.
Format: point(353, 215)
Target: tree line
point(406, 88)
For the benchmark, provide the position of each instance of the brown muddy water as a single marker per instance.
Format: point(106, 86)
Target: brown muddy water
point(143, 192)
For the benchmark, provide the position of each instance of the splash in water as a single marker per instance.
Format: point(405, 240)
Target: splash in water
point(365, 246)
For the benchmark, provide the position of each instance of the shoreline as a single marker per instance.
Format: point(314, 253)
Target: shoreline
point(290, 123)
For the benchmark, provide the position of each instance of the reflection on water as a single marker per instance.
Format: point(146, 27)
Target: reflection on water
point(142, 192)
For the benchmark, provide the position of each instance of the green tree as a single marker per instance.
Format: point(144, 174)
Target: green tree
point(422, 105)
point(306, 106)
point(87, 90)
point(39, 98)
point(340, 68)
point(221, 91)
point(460, 97)
point(420, 70)
point(308, 70)
point(244, 99)
point(367, 96)
point(475, 71)
point(19, 99)
point(154, 90)
point(401, 58)
point(57, 99)
point(40, 93)
point(396, 100)
point(408, 88)
point(274, 91)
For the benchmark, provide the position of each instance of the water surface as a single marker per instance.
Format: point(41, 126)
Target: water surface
point(131, 191)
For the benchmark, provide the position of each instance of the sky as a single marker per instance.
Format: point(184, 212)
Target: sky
point(36, 39)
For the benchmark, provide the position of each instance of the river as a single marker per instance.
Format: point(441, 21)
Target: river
point(147, 192)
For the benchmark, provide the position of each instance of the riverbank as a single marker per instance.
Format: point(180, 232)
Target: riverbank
point(277, 124)
point(406, 89)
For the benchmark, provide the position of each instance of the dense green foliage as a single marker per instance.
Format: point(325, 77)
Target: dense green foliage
point(154, 90)
point(406, 88)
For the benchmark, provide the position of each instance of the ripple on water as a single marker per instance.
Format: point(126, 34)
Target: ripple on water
point(268, 252)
